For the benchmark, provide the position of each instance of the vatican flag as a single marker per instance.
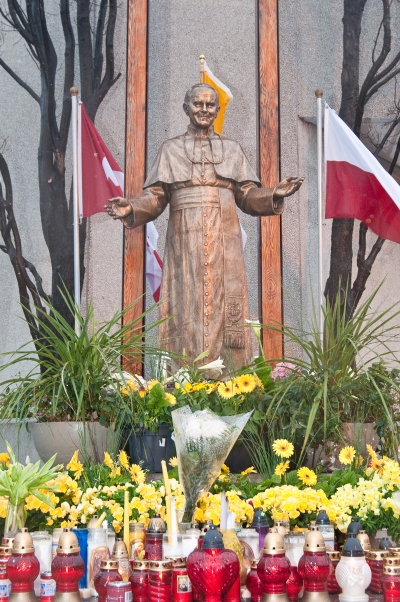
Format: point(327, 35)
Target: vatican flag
point(225, 95)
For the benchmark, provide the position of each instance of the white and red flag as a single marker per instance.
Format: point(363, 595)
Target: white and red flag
point(100, 178)
point(357, 186)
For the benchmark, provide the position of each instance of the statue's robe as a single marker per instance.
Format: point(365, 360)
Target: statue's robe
point(204, 283)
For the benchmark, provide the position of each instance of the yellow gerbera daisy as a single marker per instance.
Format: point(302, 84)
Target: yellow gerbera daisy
point(246, 383)
point(173, 462)
point(137, 474)
point(283, 448)
point(226, 390)
point(249, 470)
point(307, 476)
point(347, 454)
point(281, 468)
point(376, 464)
point(170, 398)
point(123, 459)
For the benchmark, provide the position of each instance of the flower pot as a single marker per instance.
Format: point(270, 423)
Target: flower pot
point(64, 438)
point(151, 448)
point(18, 433)
point(239, 458)
point(359, 435)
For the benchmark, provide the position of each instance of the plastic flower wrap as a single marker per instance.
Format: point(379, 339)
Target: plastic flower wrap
point(203, 441)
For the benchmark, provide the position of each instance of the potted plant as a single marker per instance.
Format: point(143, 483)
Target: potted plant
point(73, 386)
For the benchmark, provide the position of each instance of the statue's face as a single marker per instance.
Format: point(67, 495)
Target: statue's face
point(202, 108)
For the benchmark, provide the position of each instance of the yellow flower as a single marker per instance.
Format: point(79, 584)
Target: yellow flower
point(226, 390)
point(170, 398)
point(282, 468)
point(137, 474)
point(173, 462)
point(5, 459)
point(283, 448)
point(75, 466)
point(371, 450)
point(124, 391)
point(123, 459)
point(347, 454)
point(246, 383)
point(225, 469)
point(249, 470)
point(307, 476)
point(108, 461)
point(151, 384)
point(258, 381)
point(142, 392)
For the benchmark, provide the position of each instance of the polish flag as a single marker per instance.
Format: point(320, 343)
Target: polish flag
point(100, 179)
point(357, 186)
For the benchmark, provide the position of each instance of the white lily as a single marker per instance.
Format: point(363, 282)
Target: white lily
point(217, 364)
point(256, 326)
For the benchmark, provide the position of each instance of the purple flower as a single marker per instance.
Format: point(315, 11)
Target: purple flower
point(282, 369)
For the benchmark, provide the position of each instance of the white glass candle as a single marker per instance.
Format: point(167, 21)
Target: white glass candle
point(190, 541)
point(294, 547)
point(249, 539)
point(352, 572)
point(42, 542)
point(97, 551)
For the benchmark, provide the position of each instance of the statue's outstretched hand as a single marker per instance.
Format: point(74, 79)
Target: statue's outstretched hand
point(288, 186)
point(118, 208)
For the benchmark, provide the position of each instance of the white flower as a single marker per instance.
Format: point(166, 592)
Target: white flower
point(215, 365)
point(198, 426)
point(256, 326)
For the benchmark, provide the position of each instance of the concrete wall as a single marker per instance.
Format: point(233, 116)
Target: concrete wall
point(179, 30)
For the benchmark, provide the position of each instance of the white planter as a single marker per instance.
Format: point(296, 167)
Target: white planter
point(64, 438)
point(19, 435)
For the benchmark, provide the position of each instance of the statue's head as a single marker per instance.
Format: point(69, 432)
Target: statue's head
point(201, 105)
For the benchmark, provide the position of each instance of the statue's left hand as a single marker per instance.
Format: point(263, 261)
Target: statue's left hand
point(288, 186)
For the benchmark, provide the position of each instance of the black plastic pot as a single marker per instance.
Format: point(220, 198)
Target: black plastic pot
point(239, 458)
point(150, 448)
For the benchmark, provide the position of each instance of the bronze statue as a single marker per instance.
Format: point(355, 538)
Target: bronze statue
point(203, 176)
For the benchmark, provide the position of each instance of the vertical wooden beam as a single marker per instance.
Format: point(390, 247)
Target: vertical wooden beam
point(135, 159)
point(270, 230)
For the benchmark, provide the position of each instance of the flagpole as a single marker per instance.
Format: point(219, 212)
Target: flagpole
point(202, 58)
point(319, 94)
point(75, 195)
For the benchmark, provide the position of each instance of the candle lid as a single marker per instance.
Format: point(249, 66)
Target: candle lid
point(376, 554)
point(7, 542)
point(384, 544)
point(395, 550)
point(352, 547)
point(314, 541)
point(134, 526)
point(333, 554)
point(354, 527)
point(109, 564)
point(391, 561)
point(119, 549)
point(213, 539)
point(160, 565)
point(254, 564)
point(6, 550)
point(23, 542)
point(260, 518)
point(141, 565)
point(177, 560)
point(273, 543)
point(93, 521)
point(363, 538)
point(391, 570)
point(68, 543)
point(322, 518)
point(156, 525)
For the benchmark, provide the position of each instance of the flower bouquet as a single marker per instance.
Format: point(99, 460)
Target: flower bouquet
point(203, 441)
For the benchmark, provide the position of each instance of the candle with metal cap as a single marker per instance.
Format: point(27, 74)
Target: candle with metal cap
point(353, 573)
point(315, 567)
point(140, 580)
point(274, 568)
point(67, 568)
point(108, 572)
point(375, 560)
point(22, 568)
point(391, 583)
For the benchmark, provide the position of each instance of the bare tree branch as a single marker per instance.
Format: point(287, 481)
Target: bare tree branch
point(19, 80)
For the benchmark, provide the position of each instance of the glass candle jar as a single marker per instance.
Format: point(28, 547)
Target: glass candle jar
point(352, 572)
point(260, 524)
point(391, 583)
point(326, 529)
point(254, 583)
point(153, 547)
point(22, 567)
point(181, 585)
point(294, 543)
point(140, 580)
point(160, 581)
point(67, 567)
point(120, 553)
point(5, 585)
point(294, 584)
point(190, 540)
point(55, 537)
point(47, 587)
point(136, 539)
point(172, 545)
point(82, 536)
point(119, 591)
point(42, 542)
point(333, 585)
point(97, 551)
point(250, 541)
point(108, 572)
point(273, 568)
point(375, 559)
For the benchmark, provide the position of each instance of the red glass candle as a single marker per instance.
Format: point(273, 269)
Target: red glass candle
point(140, 580)
point(294, 584)
point(67, 567)
point(273, 568)
point(181, 584)
point(119, 591)
point(213, 570)
point(391, 583)
point(108, 572)
point(160, 581)
point(22, 567)
point(254, 583)
point(233, 594)
point(333, 585)
point(315, 566)
point(5, 585)
point(153, 547)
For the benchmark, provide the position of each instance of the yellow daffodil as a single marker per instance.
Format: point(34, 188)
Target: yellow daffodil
point(283, 448)
point(75, 466)
point(226, 390)
point(307, 476)
point(347, 454)
point(281, 468)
